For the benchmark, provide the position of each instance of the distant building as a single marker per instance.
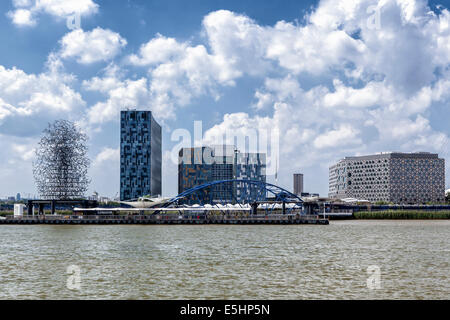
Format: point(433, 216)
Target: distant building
point(18, 197)
point(298, 183)
point(94, 196)
point(201, 165)
point(309, 195)
point(401, 178)
point(104, 199)
point(140, 155)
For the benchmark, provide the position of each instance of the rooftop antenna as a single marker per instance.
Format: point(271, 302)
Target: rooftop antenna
point(276, 169)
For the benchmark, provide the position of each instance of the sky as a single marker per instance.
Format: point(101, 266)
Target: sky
point(323, 79)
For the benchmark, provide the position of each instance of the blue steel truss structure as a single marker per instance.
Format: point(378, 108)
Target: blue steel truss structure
point(252, 192)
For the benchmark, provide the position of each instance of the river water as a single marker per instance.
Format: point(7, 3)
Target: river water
point(401, 260)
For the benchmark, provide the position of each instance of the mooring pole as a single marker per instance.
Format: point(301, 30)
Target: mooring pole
point(254, 208)
point(30, 207)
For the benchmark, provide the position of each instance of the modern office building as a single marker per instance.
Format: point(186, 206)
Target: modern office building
point(400, 178)
point(194, 167)
point(223, 169)
point(298, 184)
point(249, 166)
point(140, 155)
point(201, 165)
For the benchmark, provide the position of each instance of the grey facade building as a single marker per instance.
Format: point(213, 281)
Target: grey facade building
point(201, 165)
point(249, 166)
point(194, 168)
point(298, 184)
point(223, 169)
point(140, 155)
point(400, 178)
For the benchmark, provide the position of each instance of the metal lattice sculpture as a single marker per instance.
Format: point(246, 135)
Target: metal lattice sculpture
point(61, 166)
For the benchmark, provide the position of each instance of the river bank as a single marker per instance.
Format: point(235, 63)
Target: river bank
point(361, 215)
point(402, 215)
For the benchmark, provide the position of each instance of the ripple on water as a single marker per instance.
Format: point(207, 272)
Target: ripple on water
point(227, 262)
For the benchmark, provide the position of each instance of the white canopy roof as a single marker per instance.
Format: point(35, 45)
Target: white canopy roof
point(352, 200)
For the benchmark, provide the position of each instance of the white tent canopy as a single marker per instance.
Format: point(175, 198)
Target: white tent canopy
point(353, 200)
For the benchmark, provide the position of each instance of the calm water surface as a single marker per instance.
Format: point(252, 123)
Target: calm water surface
point(228, 262)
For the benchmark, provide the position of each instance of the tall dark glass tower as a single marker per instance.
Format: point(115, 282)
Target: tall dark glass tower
point(140, 155)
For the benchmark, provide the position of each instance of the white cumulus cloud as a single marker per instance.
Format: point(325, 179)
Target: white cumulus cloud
point(25, 12)
point(334, 85)
point(91, 46)
point(28, 101)
point(107, 154)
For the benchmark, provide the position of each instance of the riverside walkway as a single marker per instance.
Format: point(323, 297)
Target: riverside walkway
point(165, 219)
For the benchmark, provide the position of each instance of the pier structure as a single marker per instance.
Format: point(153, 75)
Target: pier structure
point(272, 205)
point(260, 195)
point(168, 219)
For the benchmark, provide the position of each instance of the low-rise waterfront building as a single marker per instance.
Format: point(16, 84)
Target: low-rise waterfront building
point(401, 178)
